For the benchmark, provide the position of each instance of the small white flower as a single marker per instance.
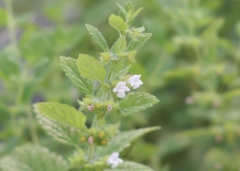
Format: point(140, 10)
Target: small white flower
point(114, 160)
point(135, 81)
point(121, 89)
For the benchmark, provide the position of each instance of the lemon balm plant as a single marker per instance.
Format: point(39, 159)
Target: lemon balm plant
point(108, 89)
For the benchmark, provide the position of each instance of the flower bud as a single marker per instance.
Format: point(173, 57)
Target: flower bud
point(104, 142)
point(105, 56)
point(90, 108)
point(90, 140)
point(189, 100)
point(131, 56)
point(101, 134)
point(109, 108)
point(82, 139)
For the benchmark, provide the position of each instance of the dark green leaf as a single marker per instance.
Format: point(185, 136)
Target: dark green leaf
point(70, 68)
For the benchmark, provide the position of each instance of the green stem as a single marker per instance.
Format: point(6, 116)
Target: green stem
point(91, 151)
point(91, 148)
point(11, 25)
point(94, 121)
point(23, 73)
point(20, 89)
point(32, 127)
point(111, 67)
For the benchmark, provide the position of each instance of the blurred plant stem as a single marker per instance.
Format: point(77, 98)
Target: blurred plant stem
point(22, 73)
point(11, 25)
point(91, 148)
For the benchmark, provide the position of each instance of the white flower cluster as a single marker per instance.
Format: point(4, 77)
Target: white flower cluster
point(121, 87)
point(114, 160)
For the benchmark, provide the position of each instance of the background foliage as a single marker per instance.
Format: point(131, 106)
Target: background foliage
point(191, 64)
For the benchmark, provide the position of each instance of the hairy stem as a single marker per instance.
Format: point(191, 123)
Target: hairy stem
point(91, 151)
point(91, 148)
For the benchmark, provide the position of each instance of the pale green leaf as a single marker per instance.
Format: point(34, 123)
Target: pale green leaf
point(59, 132)
point(122, 12)
point(117, 23)
point(91, 68)
point(129, 6)
point(130, 166)
point(97, 37)
point(39, 158)
point(136, 13)
point(135, 45)
point(70, 68)
point(135, 102)
point(119, 45)
point(122, 141)
point(61, 113)
point(11, 164)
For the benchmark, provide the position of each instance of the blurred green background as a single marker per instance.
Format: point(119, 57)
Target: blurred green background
point(191, 64)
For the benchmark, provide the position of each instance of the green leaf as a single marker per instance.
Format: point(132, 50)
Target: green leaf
point(97, 37)
point(130, 166)
point(122, 12)
point(122, 141)
point(135, 102)
point(91, 68)
point(117, 23)
point(131, 56)
point(11, 164)
point(70, 68)
point(61, 113)
point(119, 45)
point(110, 129)
point(39, 158)
point(3, 18)
point(8, 65)
point(119, 72)
point(136, 13)
point(61, 133)
point(135, 45)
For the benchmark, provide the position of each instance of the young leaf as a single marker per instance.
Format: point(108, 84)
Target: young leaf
point(131, 56)
point(136, 13)
point(119, 45)
point(130, 166)
point(39, 158)
point(122, 12)
point(135, 45)
point(110, 129)
point(117, 23)
point(61, 113)
point(129, 7)
point(122, 141)
point(91, 68)
point(59, 132)
point(70, 68)
point(135, 102)
point(120, 72)
point(97, 37)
